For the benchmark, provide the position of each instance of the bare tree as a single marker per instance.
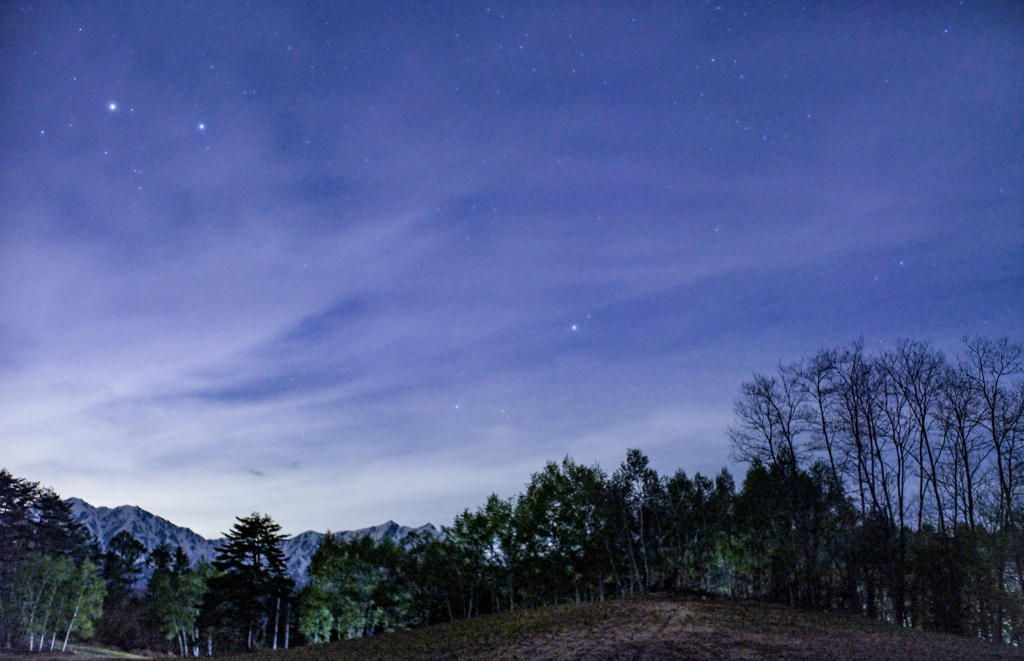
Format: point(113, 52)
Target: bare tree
point(932, 452)
point(856, 418)
point(958, 413)
point(770, 412)
point(917, 369)
point(817, 382)
point(988, 365)
point(899, 427)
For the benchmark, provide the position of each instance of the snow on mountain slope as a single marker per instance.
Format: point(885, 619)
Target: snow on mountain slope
point(152, 530)
point(299, 549)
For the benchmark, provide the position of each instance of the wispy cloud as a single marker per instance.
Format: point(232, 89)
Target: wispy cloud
point(351, 268)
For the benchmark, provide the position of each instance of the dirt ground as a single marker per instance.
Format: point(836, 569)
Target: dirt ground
point(660, 628)
point(657, 630)
point(643, 629)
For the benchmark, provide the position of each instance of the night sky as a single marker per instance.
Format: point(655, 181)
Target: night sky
point(343, 263)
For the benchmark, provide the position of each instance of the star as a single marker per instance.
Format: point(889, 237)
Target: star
point(112, 107)
point(202, 126)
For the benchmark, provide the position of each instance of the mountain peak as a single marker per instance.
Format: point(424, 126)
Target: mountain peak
point(105, 522)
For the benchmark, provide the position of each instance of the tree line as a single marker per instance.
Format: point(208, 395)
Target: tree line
point(885, 484)
point(57, 584)
point(49, 586)
point(928, 450)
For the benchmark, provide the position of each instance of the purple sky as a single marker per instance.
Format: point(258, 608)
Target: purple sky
point(348, 263)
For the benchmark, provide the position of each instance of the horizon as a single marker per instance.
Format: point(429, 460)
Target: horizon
point(731, 465)
point(325, 531)
point(365, 262)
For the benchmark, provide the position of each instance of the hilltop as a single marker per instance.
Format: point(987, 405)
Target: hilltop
point(649, 628)
point(654, 628)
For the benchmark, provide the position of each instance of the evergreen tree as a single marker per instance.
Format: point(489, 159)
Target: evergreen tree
point(252, 587)
point(56, 531)
point(123, 564)
point(44, 569)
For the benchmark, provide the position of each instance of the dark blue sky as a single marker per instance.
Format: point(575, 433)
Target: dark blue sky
point(348, 262)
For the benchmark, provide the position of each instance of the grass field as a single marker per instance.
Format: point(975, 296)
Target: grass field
point(655, 628)
point(90, 652)
point(644, 628)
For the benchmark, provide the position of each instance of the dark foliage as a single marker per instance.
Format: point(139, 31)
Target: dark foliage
point(886, 486)
point(43, 558)
point(251, 593)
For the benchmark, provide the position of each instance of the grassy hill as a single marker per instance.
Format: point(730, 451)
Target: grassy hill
point(654, 628)
point(645, 628)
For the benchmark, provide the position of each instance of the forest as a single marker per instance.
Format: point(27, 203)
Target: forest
point(885, 484)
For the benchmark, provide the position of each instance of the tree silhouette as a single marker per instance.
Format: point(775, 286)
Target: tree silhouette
point(253, 586)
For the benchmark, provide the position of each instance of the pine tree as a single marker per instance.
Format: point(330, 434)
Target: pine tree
point(253, 586)
point(123, 564)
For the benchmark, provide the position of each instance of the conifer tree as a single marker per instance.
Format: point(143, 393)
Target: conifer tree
point(44, 570)
point(253, 589)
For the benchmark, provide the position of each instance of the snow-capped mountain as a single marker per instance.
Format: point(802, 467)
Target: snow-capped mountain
point(299, 549)
point(152, 530)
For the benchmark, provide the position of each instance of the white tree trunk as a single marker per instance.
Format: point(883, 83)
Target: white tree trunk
point(287, 624)
point(277, 620)
point(71, 624)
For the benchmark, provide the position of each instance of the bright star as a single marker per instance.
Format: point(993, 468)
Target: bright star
point(202, 127)
point(112, 107)
point(574, 326)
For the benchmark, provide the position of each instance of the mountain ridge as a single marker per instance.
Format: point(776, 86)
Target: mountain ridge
point(152, 530)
